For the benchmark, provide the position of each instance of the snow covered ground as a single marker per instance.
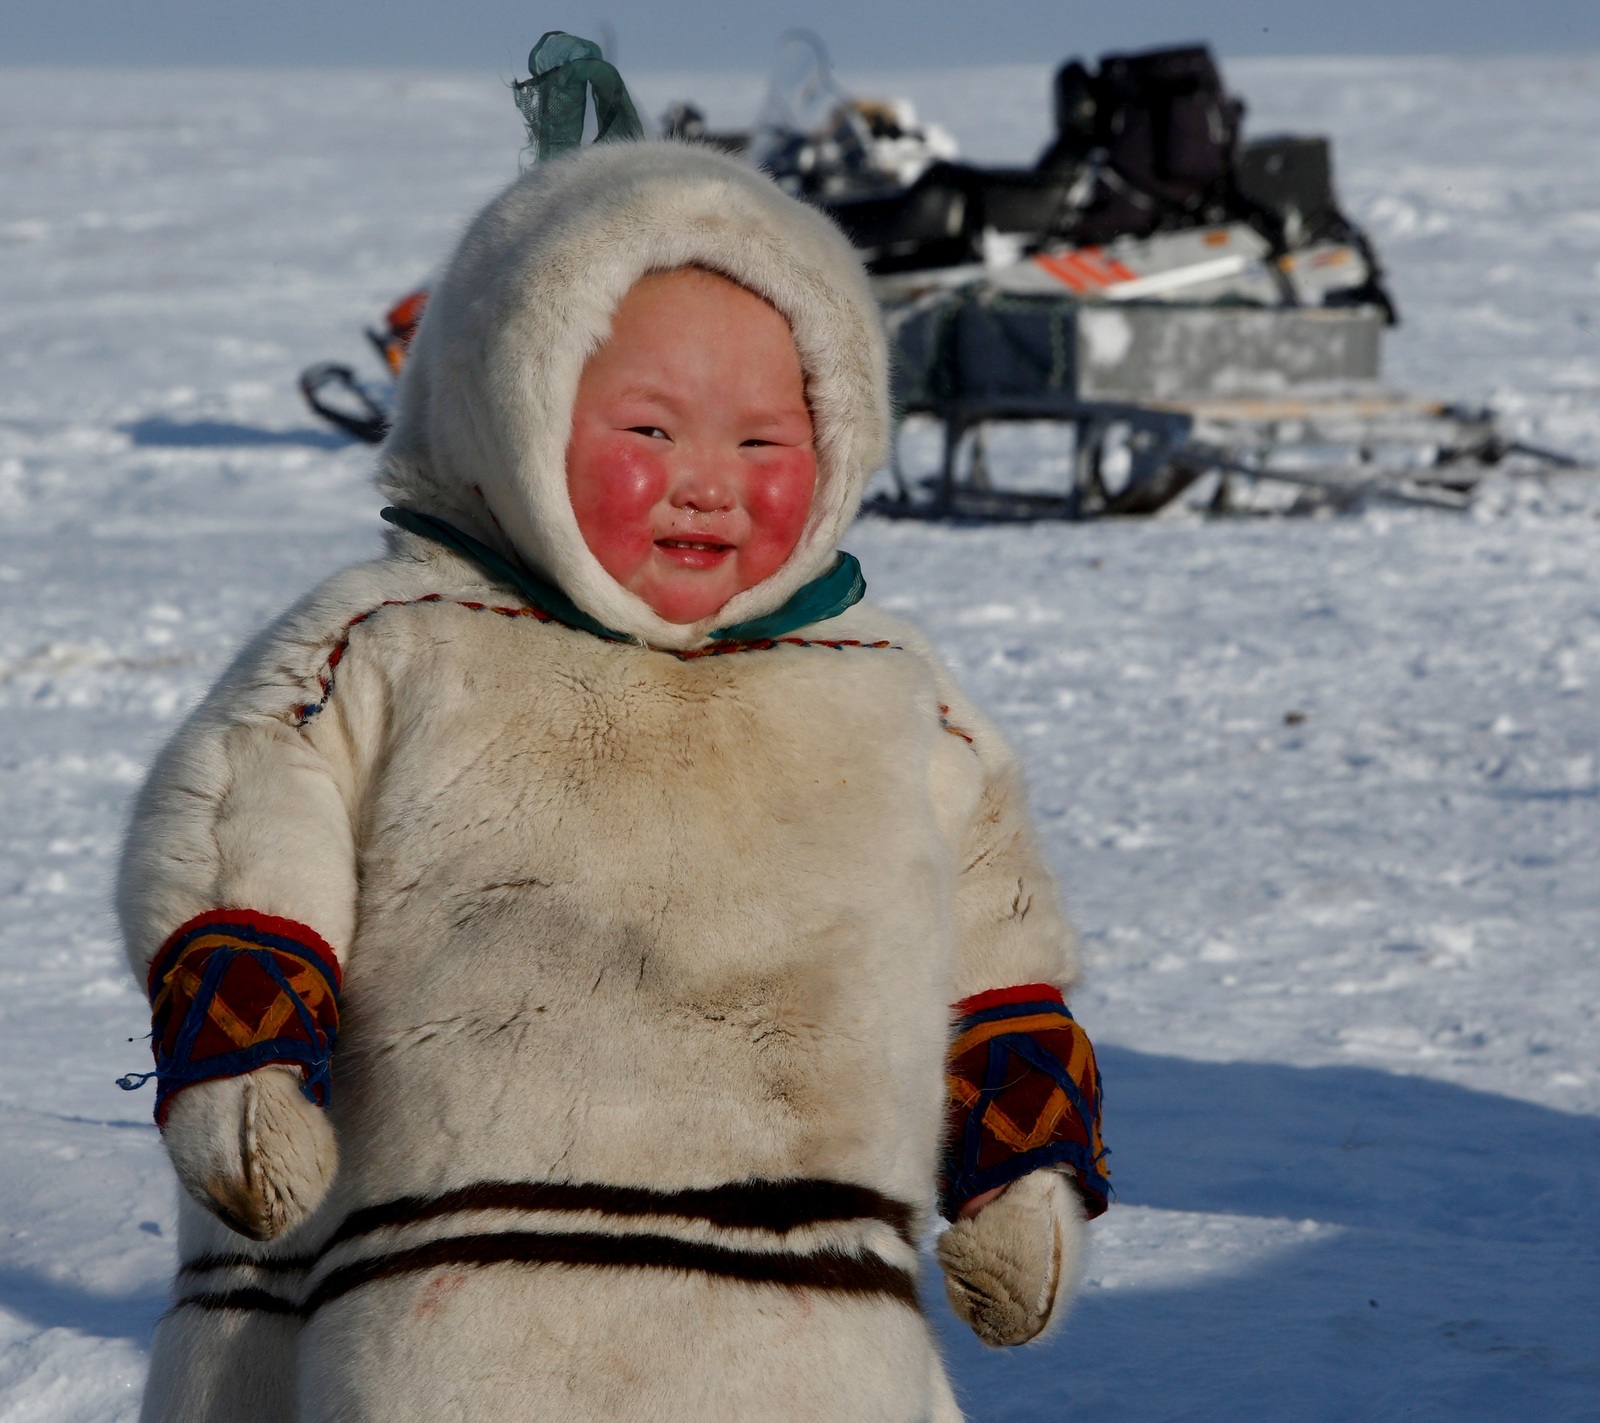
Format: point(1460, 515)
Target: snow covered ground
point(1324, 794)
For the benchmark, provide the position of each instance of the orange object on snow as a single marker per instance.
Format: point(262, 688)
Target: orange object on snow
point(400, 325)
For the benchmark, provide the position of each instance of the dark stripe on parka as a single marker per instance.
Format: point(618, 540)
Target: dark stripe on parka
point(260, 1300)
point(829, 1270)
point(775, 1206)
point(272, 1265)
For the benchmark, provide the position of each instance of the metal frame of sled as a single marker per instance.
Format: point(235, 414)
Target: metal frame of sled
point(1159, 396)
point(1166, 448)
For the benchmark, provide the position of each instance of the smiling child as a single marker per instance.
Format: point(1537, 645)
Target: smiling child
point(589, 946)
point(691, 466)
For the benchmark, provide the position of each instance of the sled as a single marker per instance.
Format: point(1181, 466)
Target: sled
point(1152, 397)
point(1332, 450)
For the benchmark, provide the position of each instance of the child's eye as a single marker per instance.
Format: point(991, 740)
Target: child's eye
point(654, 432)
point(757, 444)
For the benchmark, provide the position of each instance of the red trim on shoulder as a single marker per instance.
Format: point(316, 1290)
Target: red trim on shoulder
point(305, 711)
point(303, 936)
point(998, 997)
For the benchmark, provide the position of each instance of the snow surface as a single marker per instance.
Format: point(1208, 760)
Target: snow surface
point(1324, 794)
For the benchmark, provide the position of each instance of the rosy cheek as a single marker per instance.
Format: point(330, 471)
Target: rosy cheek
point(614, 481)
point(778, 495)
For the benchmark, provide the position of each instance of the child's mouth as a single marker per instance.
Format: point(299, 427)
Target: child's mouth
point(695, 553)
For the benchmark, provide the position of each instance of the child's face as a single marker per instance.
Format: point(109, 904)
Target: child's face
point(691, 465)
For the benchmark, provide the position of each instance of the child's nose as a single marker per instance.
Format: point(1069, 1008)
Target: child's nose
point(705, 488)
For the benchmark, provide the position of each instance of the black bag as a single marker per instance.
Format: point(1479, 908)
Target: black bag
point(1290, 179)
point(1166, 131)
point(1153, 136)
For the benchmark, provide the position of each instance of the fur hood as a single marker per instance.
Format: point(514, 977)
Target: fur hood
point(485, 406)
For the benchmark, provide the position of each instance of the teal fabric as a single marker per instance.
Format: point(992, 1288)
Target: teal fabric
point(563, 70)
point(824, 597)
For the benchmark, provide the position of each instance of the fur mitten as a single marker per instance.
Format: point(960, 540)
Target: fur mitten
point(252, 1150)
point(1007, 1268)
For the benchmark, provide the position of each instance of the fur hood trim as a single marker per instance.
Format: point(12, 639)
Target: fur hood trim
point(485, 408)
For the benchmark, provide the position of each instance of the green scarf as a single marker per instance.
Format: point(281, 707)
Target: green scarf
point(563, 71)
point(822, 598)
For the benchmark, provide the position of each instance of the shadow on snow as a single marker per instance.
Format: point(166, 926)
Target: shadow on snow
point(1462, 1280)
point(157, 430)
point(57, 1304)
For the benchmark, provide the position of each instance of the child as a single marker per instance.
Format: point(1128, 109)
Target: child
point(635, 864)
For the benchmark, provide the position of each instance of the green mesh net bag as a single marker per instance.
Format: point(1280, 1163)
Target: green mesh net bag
point(563, 71)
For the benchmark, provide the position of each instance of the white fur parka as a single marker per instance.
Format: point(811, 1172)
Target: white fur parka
point(648, 946)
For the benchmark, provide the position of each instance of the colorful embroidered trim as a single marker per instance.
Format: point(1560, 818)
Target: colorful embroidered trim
point(304, 713)
point(1024, 1095)
point(232, 991)
point(766, 644)
point(952, 728)
point(325, 678)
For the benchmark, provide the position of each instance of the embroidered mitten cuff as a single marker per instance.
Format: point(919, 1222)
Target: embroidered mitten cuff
point(233, 990)
point(1024, 1095)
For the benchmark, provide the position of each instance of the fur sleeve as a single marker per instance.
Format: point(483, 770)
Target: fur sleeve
point(253, 804)
point(1008, 921)
point(1009, 928)
point(1024, 1087)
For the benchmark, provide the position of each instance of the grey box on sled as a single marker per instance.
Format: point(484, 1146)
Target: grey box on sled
point(1176, 353)
point(970, 352)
